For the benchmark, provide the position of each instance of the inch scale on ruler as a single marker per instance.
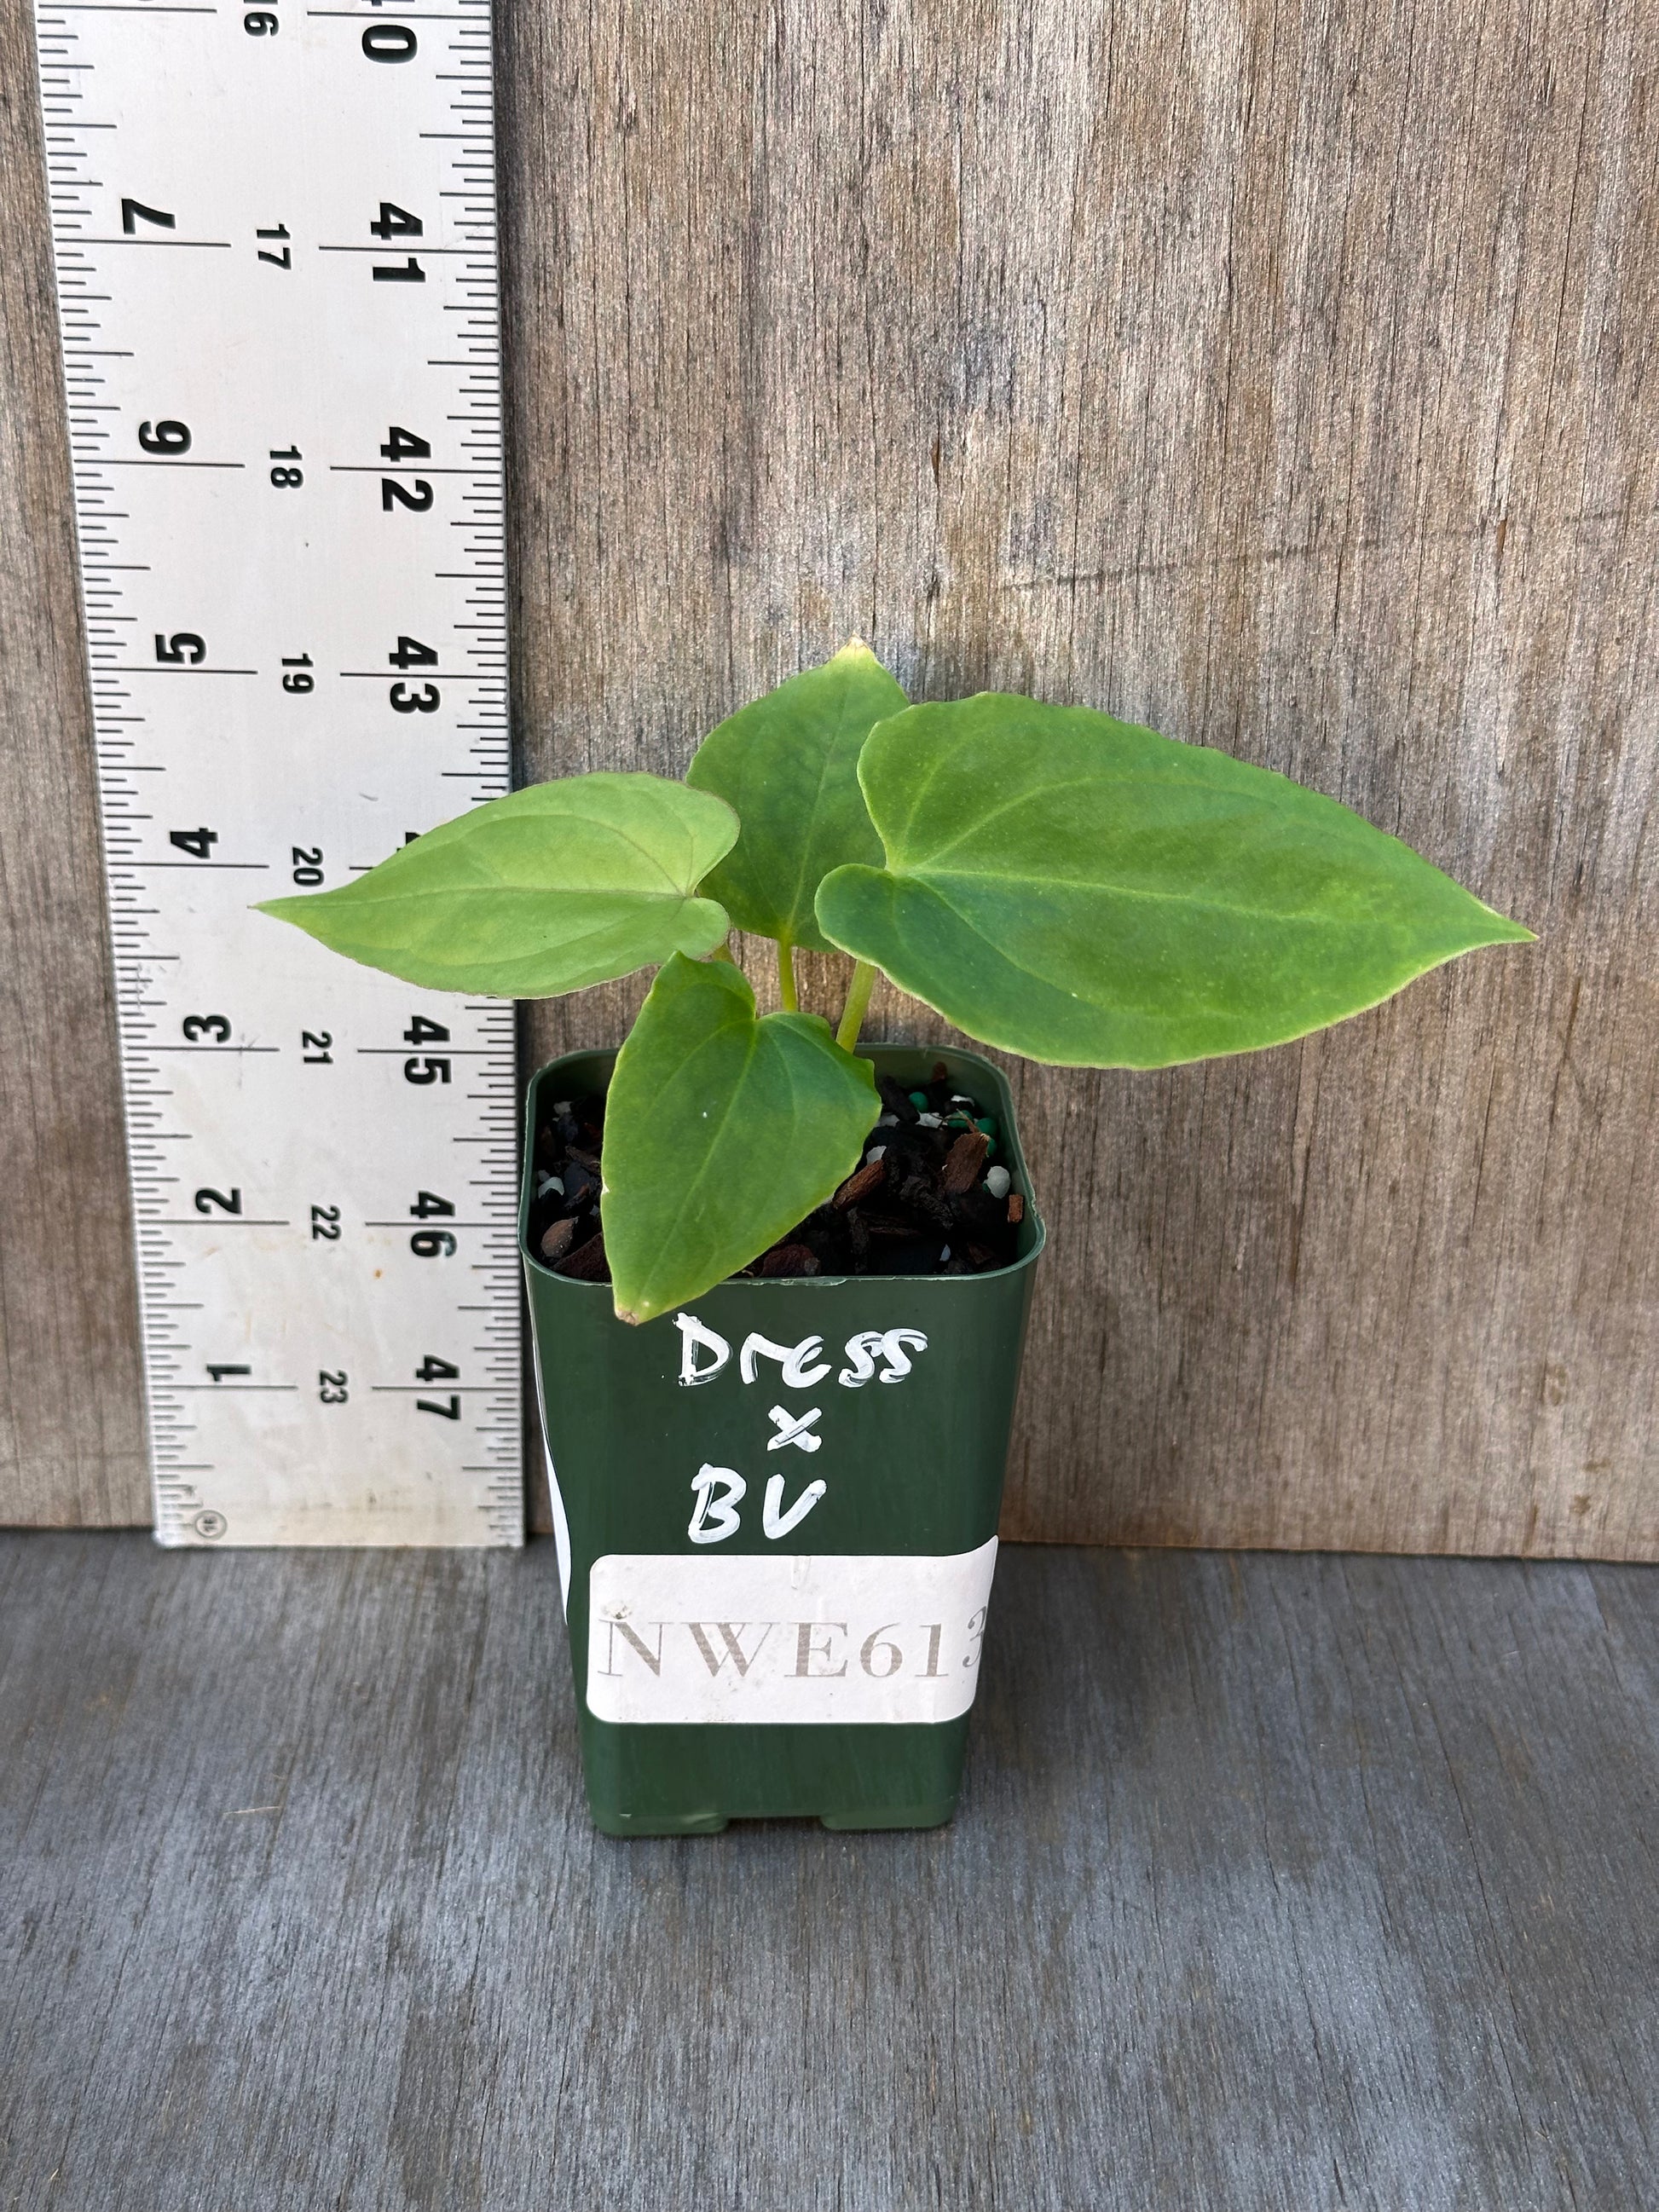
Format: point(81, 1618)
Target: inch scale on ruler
point(275, 234)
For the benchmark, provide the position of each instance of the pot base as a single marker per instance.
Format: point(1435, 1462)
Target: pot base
point(716, 1824)
point(696, 1781)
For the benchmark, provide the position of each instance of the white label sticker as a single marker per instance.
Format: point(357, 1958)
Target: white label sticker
point(801, 1636)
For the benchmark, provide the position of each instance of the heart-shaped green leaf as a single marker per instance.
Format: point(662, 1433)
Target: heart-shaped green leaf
point(545, 890)
point(720, 1133)
point(789, 765)
point(1087, 893)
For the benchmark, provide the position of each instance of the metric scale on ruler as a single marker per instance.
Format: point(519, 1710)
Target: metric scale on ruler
point(275, 234)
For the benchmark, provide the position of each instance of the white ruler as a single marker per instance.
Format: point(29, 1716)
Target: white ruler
point(275, 234)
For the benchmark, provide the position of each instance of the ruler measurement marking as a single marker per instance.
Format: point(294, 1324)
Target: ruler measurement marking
point(421, 249)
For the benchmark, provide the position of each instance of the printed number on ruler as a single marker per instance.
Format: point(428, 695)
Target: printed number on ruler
point(275, 247)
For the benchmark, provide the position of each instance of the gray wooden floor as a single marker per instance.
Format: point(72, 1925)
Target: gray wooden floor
point(1278, 1881)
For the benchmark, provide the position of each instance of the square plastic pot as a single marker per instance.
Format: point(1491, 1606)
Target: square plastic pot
point(776, 1516)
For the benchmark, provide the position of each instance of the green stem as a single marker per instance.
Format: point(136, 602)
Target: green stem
point(787, 977)
point(858, 1003)
point(723, 951)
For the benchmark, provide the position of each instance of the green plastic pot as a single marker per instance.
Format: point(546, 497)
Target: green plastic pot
point(776, 1587)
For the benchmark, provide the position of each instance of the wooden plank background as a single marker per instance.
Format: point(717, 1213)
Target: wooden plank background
point(1283, 376)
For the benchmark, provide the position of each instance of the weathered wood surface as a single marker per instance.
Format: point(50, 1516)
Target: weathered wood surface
point(1278, 1882)
point(72, 1415)
point(1285, 379)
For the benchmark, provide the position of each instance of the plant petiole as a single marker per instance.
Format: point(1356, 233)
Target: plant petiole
point(858, 1003)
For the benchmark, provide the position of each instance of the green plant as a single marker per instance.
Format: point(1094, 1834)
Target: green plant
point(1055, 883)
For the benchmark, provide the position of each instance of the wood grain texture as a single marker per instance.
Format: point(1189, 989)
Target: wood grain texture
point(1280, 1884)
point(71, 1413)
point(1284, 378)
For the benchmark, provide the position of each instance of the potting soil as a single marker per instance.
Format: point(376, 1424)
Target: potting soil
point(928, 1197)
